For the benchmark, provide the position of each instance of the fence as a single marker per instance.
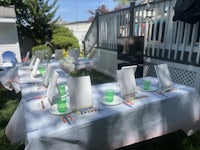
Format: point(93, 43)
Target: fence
point(166, 41)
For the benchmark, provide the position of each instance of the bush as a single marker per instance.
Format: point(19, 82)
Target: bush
point(63, 38)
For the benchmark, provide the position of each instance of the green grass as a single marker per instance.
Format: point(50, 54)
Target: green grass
point(8, 103)
point(173, 141)
point(95, 76)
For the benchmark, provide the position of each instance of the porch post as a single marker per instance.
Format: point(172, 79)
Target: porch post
point(97, 17)
point(132, 5)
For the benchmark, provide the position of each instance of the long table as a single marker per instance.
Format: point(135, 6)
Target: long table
point(152, 114)
point(17, 78)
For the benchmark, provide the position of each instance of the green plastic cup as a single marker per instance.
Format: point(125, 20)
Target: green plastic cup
point(62, 90)
point(42, 70)
point(146, 85)
point(61, 105)
point(109, 95)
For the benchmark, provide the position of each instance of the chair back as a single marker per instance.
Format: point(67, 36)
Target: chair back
point(9, 56)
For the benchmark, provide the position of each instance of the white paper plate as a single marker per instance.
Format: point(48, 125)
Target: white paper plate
point(53, 110)
point(151, 88)
point(116, 100)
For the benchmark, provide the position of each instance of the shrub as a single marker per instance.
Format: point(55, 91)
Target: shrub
point(63, 38)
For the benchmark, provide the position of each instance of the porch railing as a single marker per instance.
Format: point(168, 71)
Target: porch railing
point(90, 39)
point(164, 39)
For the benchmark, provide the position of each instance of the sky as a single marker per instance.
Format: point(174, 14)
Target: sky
point(76, 10)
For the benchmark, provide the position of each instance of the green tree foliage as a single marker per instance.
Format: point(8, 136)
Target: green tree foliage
point(34, 18)
point(63, 38)
point(40, 23)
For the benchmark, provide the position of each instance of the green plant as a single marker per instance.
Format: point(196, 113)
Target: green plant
point(63, 38)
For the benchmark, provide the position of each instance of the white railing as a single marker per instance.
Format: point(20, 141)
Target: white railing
point(166, 41)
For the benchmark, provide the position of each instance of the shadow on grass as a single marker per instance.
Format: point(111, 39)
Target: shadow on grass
point(8, 103)
point(95, 76)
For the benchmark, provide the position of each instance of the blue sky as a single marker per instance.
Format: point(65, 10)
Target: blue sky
point(76, 10)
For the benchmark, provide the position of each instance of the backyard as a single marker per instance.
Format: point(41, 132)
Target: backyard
point(173, 141)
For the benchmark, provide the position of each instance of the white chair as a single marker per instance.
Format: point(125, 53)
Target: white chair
point(127, 83)
point(9, 60)
point(80, 92)
point(163, 74)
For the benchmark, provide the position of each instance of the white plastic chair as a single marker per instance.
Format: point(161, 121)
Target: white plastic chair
point(9, 60)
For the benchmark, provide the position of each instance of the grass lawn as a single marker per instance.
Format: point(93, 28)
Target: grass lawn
point(8, 103)
point(174, 141)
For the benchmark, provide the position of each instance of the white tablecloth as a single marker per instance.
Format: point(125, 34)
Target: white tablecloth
point(112, 126)
point(31, 88)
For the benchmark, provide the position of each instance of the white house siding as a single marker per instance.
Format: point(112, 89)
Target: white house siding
point(79, 30)
point(9, 39)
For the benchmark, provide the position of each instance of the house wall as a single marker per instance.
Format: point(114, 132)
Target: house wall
point(9, 39)
point(79, 30)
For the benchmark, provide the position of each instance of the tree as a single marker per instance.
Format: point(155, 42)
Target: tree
point(101, 9)
point(39, 24)
point(63, 38)
point(34, 19)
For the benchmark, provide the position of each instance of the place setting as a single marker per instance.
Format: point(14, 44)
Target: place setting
point(62, 105)
point(110, 98)
point(146, 86)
